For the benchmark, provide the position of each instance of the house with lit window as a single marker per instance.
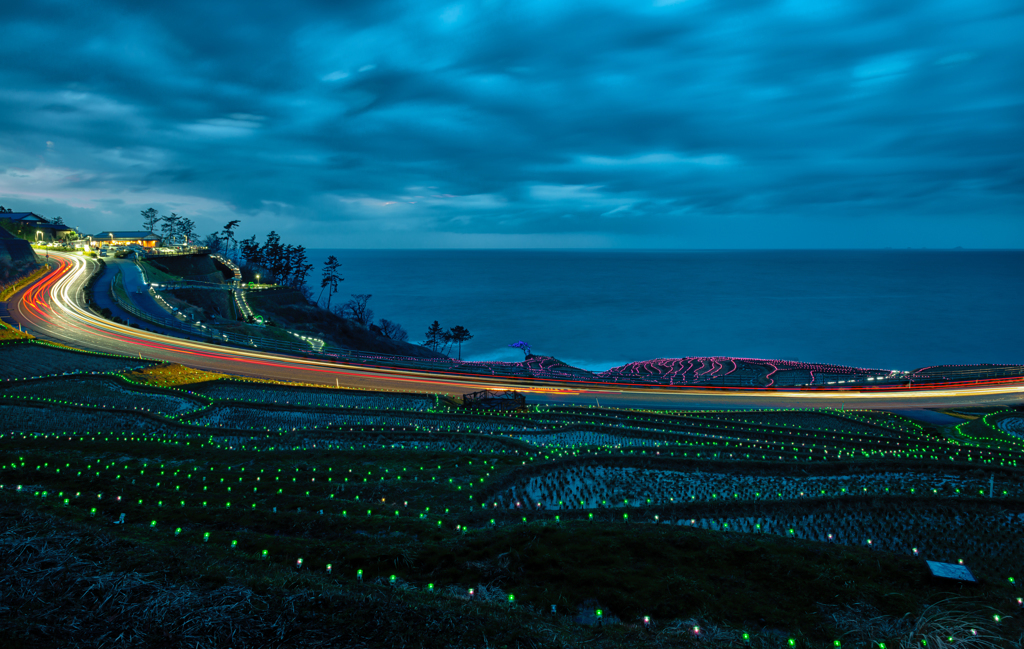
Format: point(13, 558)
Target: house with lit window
point(33, 227)
point(125, 238)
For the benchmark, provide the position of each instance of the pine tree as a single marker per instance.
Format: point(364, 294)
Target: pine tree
point(459, 334)
point(329, 279)
point(149, 219)
point(434, 336)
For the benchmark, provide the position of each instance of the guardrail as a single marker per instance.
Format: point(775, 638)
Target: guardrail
point(231, 266)
point(178, 253)
point(194, 284)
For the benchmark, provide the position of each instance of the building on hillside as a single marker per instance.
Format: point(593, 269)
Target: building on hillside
point(33, 227)
point(125, 238)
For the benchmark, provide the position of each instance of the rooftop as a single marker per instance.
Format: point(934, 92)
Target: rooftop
point(125, 234)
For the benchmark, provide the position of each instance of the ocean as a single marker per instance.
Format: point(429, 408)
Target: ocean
point(595, 309)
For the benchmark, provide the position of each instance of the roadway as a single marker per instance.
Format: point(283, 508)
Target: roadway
point(54, 309)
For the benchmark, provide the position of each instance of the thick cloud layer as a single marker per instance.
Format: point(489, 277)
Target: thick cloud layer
point(690, 124)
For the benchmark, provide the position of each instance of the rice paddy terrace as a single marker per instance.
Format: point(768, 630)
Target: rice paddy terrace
point(794, 527)
point(720, 371)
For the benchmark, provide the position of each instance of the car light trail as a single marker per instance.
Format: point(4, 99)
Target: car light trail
point(54, 306)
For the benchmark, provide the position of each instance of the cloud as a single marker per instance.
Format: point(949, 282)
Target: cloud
point(233, 126)
point(613, 123)
point(659, 160)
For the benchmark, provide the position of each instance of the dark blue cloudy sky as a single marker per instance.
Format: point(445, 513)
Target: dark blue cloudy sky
point(413, 123)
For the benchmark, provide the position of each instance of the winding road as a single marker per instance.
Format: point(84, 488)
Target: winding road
point(54, 308)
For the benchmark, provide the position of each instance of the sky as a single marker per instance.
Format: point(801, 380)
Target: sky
point(527, 124)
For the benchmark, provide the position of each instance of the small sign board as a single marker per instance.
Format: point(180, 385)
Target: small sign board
point(954, 571)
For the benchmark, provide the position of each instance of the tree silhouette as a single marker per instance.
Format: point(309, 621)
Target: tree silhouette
point(170, 226)
point(329, 279)
point(227, 235)
point(187, 227)
point(356, 309)
point(459, 334)
point(446, 341)
point(149, 219)
point(250, 249)
point(213, 242)
point(435, 334)
point(271, 254)
point(298, 270)
point(392, 330)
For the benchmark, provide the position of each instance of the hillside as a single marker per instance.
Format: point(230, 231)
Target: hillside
point(284, 308)
point(16, 256)
point(288, 309)
point(195, 268)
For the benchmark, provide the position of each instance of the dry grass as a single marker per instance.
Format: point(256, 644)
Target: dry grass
point(7, 291)
point(64, 584)
point(52, 596)
point(172, 375)
point(9, 333)
point(954, 623)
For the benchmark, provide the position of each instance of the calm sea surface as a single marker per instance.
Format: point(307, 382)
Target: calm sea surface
point(891, 309)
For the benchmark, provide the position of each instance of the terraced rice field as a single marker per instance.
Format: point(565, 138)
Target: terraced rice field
point(591, 439)
point(365, 440)
point(938, 533)
point(279, 419)
point(53, 419)
point(592, 486)
point(1013, 425)
point(105, 392)
point(405, 487)
point(21, 360)
point(282, 395)
point(876, 425)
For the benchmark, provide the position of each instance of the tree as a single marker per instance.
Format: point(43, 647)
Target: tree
point(271, 254)
point(446, 341)
point(392, 330)
point(459, 334)
point(299, 270)
point(187, 227)
point(149, 220)
point(356, 309)
point(170, 226)
point(251, 251)
point(58, 221)
point(329, 279)
point(227, 235)
point(213, 242)
point(434, 335)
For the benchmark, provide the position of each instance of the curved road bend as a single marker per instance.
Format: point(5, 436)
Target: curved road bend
point(54, 309)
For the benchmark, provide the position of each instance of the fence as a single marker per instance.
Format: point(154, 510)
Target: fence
point(177, 253)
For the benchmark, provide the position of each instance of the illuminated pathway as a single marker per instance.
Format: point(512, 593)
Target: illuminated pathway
point(54, 308)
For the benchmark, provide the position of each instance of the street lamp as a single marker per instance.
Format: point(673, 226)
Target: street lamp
point(257, 279)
